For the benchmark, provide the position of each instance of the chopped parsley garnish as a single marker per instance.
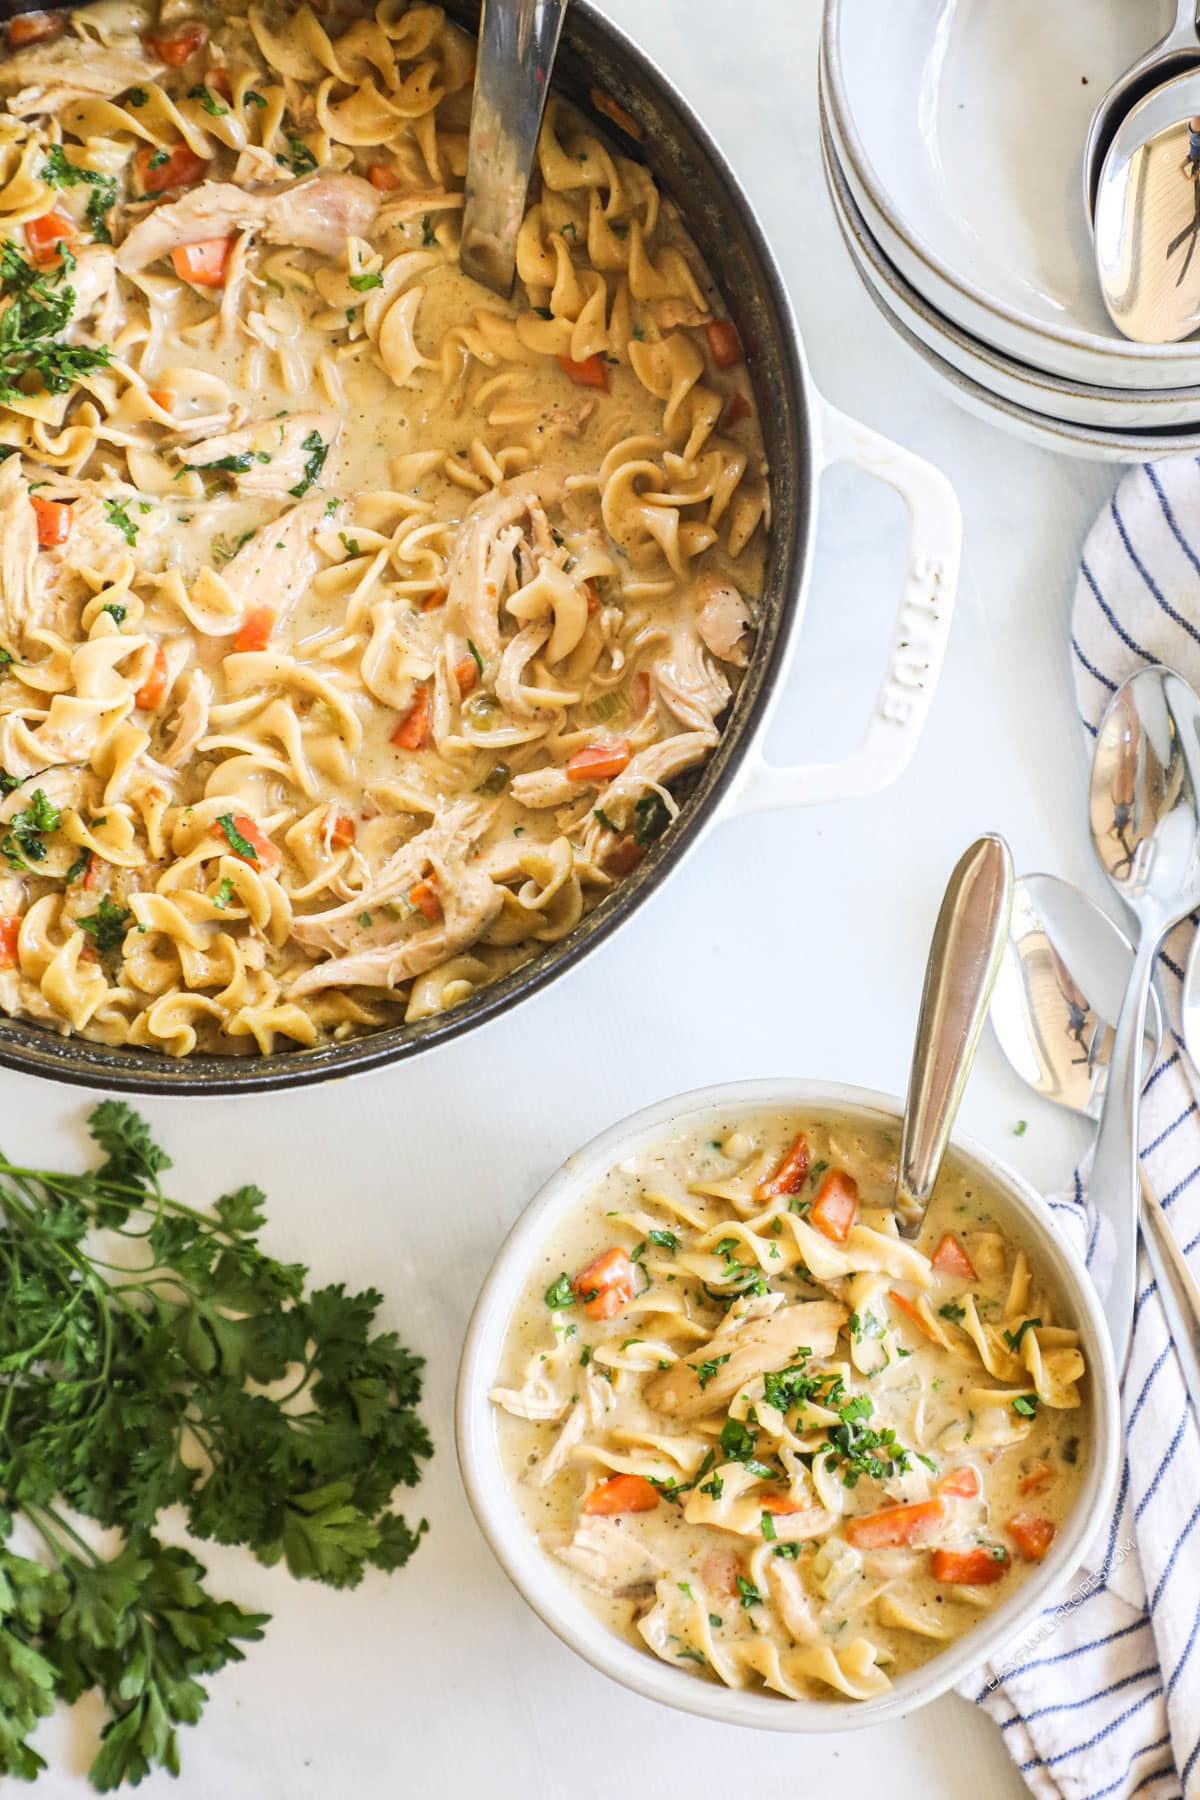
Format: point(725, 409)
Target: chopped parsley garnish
point(1013, 1338)
point(239, 844)
point(366, 920)
point(60, 173)
point(598, 812)
point(22, 844)
point(767, 1527)
point(859, 1449)
point(1026, 1405)
point(224, 893)
point(137, 97)
point(706, 1370)
point(115, 611)
point(252, 97)
point(117, 513)
point(1020, 1128)
point(714, 1488)
point(560, 1294)
point(78, 867)
point(8, 782)
point(370, 278)
point(666, 1240)
point(108, 926)
point(476, 655)
point(652, 818)
point(737, 1440)
point(865, 1325)
point(789, 1550)
point(318, 450)
point(209, 102)
point(952, 1311)
point(428, 235)
point(690, 1655)
point(29, 326)
point(543, 312)
point(747, 1592)
point(299, 159)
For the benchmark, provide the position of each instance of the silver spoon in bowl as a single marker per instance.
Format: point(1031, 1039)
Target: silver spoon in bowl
point(518, 41)
point(1064, 969)
point(1178, 50)
point(1144, 807)
point(1147, 215)
point(964, 960)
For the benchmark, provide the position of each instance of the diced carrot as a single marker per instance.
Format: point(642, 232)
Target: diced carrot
point(94, 874)
point(593, 597)
point(44, 237)
point(163, 397)
point(615, 111)
point(783, 1502)
point(382, 178)
point(960, 1484)
point(972, 1568)
point(256, 630)
point(176, 49)
point(836, 1205)
point(951, 1259)
point(1037, 1479)
point(625, 855)
point(10, 931)
point(909, 1309)
point(896, 1525)
point(606, 1285)
point(591, 372)
point(265, 853)
point(35, 28)
point(737, 408)
point(1034, 1535)
point(432, 601)
point(466, 673)
point(157, 169)
point(413, 731)
point(343, 831)
point(218, 79)
point(203, 263)
point(621, 1494)
point(724, 344)
point(600, 761)
point(53, 521)
point(424, 896)
point(153, 690)
point(791, 1174)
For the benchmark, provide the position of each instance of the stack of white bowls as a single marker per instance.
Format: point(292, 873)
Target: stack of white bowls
point(952, 133)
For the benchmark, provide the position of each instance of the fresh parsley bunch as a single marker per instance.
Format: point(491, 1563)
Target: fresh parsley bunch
point(150, 1356)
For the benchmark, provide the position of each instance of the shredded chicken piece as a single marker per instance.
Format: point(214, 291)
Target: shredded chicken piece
point(722, 618)
point(21, 595)
point(278, 563)
point(610, 1557)
point(311, 215)
point(43, 77)
point(483, 555)
point(191, 722)
point(688, 683)
point(754, 1343)
point(278, 451)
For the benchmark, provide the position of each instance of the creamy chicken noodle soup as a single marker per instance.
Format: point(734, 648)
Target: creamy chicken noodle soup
point(768, 1439)
point(355, 625)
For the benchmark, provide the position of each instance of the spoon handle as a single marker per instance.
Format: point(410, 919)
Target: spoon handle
point(964, 960)
point(1114, 1183)
point(518, 41)
point(1168, 1260)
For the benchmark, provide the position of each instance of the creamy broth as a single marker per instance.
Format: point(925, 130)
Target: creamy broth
point(794, 1449)
point(356, 624)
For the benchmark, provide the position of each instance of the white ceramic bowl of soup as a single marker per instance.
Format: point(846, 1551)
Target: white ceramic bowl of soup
point(549, 1589)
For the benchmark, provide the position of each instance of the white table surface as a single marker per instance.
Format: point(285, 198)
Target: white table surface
point(786, 944)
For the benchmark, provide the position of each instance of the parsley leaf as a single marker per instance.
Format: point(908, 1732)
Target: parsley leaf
point(209, 102)
point(117, 513)
point(240, 845)
point(560, 1293)
point(108, 926)
point(318, 450)
point(59, 172)
point(370, 278)
point(22, 844)
point(1013, 1338)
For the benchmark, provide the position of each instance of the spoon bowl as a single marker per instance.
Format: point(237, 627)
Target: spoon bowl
point(1147, 216)
point(1144, 807)
point(1174, 54)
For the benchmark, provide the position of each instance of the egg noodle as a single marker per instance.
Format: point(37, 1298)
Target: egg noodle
point(355, 624)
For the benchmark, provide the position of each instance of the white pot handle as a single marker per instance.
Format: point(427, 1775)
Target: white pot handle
point(919, 637)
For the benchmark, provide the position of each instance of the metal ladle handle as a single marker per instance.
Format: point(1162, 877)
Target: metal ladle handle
point(964, 960)
point(518, 41)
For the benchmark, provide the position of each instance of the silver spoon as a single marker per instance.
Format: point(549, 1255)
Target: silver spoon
point(1145, 817)
point(1147, 216)
point(518, 41)
point(964, 959)
point(1065, 968)
point(1179, 50)
point(1189, 1003)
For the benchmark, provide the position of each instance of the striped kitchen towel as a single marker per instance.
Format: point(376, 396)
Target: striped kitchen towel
point(1103, 1695)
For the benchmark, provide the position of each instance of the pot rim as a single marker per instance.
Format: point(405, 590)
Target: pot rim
point(35, 1049)
point(547, 1592)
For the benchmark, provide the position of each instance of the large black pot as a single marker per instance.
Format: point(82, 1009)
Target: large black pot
point(802, 434)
